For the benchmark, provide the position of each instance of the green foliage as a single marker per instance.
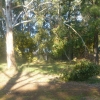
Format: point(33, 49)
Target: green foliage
point(14, 5)
point(59, 40)
point(95, 11)
point(44, 41)
point(24, 46)
point(82, 71)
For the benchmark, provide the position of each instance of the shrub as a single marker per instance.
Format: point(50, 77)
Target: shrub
point(24, 46)
point(82, 71)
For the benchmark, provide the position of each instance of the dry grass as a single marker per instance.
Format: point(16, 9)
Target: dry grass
point(39, 81)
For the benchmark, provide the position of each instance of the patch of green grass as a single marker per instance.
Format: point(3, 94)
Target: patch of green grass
point(52, 68)
point(43, 67)
point(3, 66)
point(74, 97)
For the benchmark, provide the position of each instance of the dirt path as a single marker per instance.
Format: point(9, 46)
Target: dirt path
point(37, 86)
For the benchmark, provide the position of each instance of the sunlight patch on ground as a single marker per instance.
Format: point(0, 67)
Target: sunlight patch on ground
point(98, 77)
point(40, 80)
point(29, 79)
point(3, 66)
point(31, 82)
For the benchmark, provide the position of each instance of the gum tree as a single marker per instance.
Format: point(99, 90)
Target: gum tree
point(11, 20)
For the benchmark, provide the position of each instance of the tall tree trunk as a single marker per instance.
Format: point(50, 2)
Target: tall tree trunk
point(96, 51)
point(9, 36)
point(10, 49)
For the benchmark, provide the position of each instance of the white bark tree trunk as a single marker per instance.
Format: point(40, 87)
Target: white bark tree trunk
point(9, 31)
point(9, 36)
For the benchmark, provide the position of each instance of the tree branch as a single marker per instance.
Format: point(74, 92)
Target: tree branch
point(17, 18)
point(77, 34)
point(27, 21)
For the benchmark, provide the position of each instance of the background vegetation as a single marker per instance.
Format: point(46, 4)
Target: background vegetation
point(65, 32)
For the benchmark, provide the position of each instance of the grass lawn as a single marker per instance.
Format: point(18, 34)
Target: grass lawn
point(40, 81)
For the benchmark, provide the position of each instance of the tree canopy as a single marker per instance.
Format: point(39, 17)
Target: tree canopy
point(54, 29)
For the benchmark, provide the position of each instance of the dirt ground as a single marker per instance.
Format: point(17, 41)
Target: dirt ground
point(37, 86)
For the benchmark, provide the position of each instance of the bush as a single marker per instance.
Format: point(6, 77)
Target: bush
point(81, 72)
point(24, 46)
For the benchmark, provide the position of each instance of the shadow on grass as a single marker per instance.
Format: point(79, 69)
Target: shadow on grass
point(94, 80)
point(33, 90)
point(51, 91)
